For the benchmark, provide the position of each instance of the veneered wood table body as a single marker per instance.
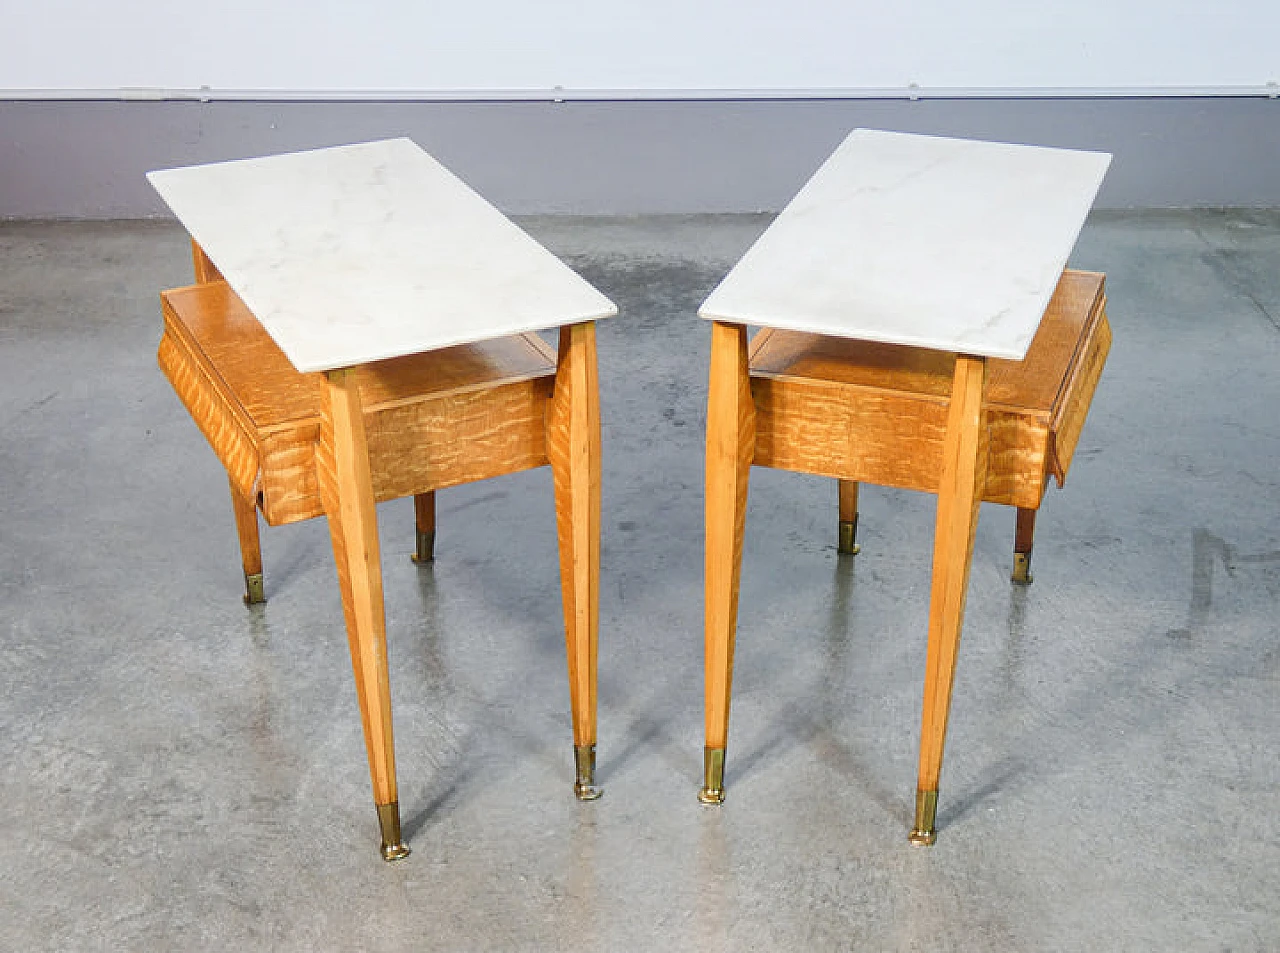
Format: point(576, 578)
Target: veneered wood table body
point(429, 418)
point(901, 296)
point(812, 392)
point(373, 338)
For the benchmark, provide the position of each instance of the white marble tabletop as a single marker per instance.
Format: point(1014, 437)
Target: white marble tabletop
point(939, 243)
point(363, 252)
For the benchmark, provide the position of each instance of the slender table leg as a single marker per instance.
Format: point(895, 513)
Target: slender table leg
point(731, 426)
point(250, 546)
point(245, 510)
point(573, 448)
point(424, 517)
point(848, 518)
point(342, 465)
point(964, 467)
point(1023, 538)
point(204, 268)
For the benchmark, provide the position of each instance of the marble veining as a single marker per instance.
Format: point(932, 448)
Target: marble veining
point(363, 252)
point(926, 241)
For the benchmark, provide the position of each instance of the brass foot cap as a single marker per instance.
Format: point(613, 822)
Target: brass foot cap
point(712, 776)
point(924, 829)
point(584, 769)
point(426, 552)
point(393, 845)
point(392, 852)
point(923, 838)
point(254, 591)
point(848, 532)
point(1022, 569)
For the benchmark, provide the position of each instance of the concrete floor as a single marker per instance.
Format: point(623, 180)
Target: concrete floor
point(178, 772)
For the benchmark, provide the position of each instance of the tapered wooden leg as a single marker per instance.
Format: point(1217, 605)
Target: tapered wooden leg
point(848, 545)
point(573, 448)
point(424, 517)
point(964, 466)
point(1023, 538)
point(203, 266)
point(731, 425)
point(250, 546)
point(342, 465)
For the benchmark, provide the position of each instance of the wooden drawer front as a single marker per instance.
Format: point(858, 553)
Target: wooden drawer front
point(230, 439)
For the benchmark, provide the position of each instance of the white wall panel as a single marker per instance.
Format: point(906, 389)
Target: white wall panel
point(398, 48)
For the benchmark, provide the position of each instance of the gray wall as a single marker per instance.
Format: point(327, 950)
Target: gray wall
point(87, 159)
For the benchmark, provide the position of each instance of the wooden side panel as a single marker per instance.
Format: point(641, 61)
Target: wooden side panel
point(458, 438)
point(849, 432)
point(1074, 408)
point(417, 448)
point(888, 438)
point(1017, 458)
point(199, 393)
point(289, 488)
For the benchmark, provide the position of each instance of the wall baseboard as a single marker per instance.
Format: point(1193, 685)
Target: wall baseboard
point(86, 159)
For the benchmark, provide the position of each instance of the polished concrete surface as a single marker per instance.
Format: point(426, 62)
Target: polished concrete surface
point(179, 772)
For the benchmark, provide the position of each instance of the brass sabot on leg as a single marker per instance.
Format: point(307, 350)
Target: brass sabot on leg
point(713, 773)
point(426, 546)
point(584, 763)
point(393, 845)
point(848, 538)
point(924, 832)
point(254, 591)
point(1022, 568)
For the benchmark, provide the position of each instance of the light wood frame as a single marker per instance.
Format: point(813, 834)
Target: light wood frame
point(964, 427)
point(297, 446)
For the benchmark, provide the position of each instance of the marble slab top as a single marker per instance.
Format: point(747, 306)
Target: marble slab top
point(940, 243)
point(363, 252)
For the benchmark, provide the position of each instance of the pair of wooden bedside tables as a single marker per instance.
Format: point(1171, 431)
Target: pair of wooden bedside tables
point(363, 328)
